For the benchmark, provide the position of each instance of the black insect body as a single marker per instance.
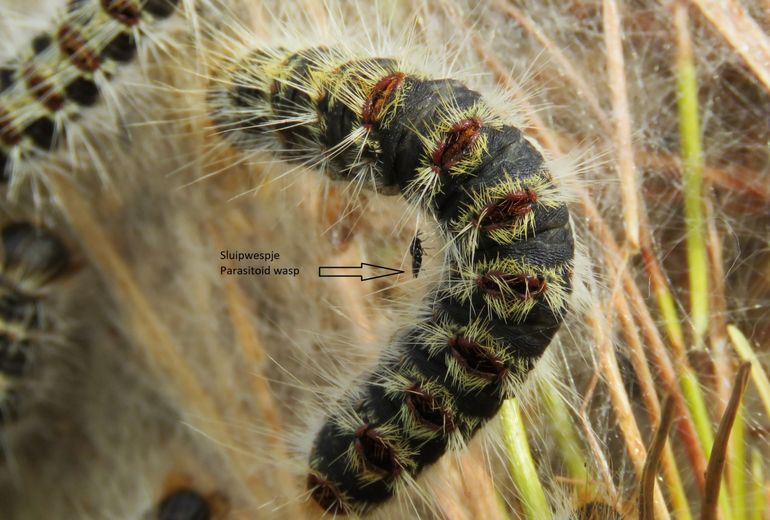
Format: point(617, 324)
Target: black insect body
point(416, 250)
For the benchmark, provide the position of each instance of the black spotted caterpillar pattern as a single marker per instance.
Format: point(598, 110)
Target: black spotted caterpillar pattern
point(508, 276)
point(64, 70)
point(32, 259)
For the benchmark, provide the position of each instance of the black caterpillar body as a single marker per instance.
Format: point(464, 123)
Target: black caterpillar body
point(62, 71)
point(32, 259)
point(508, 277)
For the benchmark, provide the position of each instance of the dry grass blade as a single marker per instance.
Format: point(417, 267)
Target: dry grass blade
point(621, 403)
point(647, 483)
point(718, 452)
point(622, 122)
point(743, 34)
point(593, 443)
point(571, 74)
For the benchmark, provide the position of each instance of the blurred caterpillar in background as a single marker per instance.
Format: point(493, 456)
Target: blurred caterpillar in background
point(368, 120)
point(189, 504)
point(67, 69)
point(184, 504)
point(33, 260)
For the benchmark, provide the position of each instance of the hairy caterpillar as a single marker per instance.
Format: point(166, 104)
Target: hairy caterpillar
point(32, 260)
point(65, 70)
point(372, 120)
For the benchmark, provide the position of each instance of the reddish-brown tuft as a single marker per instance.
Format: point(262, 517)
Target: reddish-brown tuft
point(476, 359)
point(326, 495)
point(383, 90)
point(124, 11)
point(507, 210)
point(460, 138)
point(524, 285)
point(74, 45)
point(428, 410)
point(378, 457)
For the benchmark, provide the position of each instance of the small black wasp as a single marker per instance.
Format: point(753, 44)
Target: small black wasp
point(416, 250)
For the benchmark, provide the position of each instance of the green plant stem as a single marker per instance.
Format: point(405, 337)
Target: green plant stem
point(562, 422)
point(697, 255)
point(757, 485)
point(521, 464)
point(680, 507)
point(671, 319)
point(746, 353)
point(692, 166)
point(700, 416)
point(697, 404)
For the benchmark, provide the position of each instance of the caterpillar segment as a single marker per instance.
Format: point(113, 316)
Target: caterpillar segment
point(507, 280)
point(64, 70)
point(32, 260)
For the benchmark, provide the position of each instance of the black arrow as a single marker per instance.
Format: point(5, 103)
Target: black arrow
point(363, 272)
